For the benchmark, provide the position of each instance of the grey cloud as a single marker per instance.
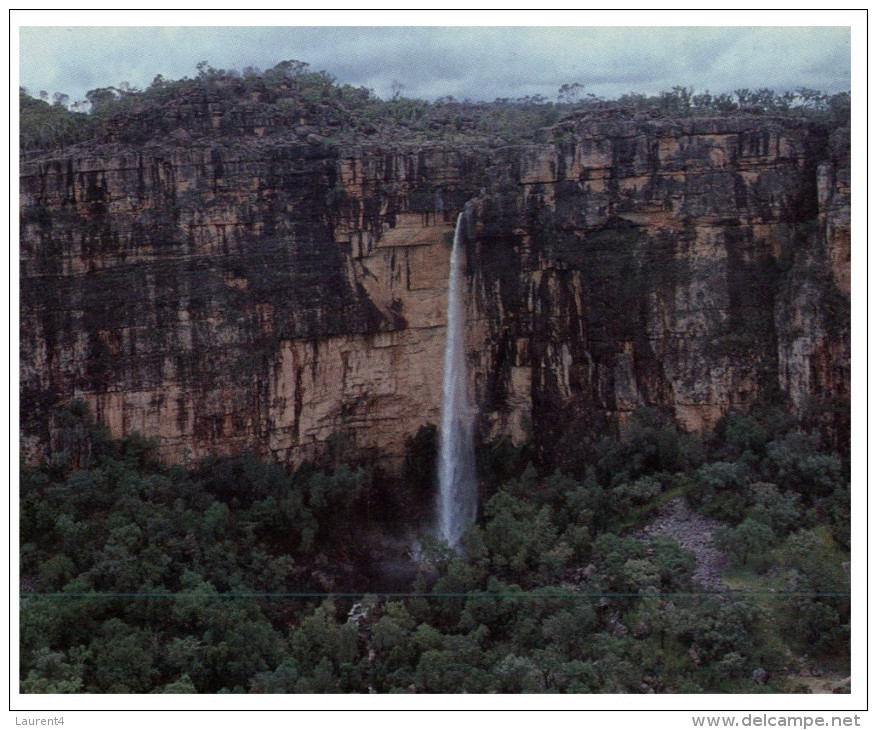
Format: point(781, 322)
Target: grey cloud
point(481, 63)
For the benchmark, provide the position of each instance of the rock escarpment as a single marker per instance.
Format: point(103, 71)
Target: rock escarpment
point(699, 267)
point(278, 294)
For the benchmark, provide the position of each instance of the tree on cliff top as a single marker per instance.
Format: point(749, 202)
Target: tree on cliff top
point(44, 125)
point(291, 95)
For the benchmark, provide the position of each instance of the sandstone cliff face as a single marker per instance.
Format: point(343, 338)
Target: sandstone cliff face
point(222, 299)
point(694, 267)
point(277, 295)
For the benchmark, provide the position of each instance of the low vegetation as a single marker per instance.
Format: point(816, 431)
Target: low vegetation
point(291, 98)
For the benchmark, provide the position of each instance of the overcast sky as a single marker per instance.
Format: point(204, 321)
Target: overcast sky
point(478, 63)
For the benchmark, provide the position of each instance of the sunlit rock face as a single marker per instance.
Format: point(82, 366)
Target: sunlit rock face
point(255, 293)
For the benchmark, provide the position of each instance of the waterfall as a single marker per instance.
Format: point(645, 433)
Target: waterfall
point(458, 497)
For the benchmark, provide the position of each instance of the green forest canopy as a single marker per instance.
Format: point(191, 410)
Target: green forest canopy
point(233, 575)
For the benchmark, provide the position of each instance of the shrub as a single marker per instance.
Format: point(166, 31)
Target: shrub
point(748, 544)
point(780, 511)
point(796, 462)
point(719, 490)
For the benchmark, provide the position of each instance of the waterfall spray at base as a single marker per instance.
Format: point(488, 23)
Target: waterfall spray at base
point(458, 496)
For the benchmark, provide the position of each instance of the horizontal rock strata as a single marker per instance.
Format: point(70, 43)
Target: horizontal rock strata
point(278, 294)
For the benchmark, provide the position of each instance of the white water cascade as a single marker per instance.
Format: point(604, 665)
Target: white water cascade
point(458, 496)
